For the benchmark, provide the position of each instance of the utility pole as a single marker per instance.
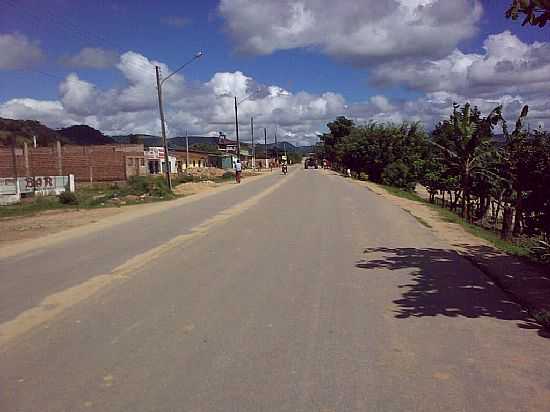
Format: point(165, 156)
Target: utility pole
point(276, 148)
point(165, 143)
point(159, 89)
point(253, 147)
point(186, 150)
point(265, 147)
point(237, 131)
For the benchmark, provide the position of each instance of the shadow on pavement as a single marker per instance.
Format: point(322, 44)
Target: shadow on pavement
point(446, 284)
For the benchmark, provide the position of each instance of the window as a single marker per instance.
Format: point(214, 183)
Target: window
point(194, 163)
point(142, 162)
point(130, 161)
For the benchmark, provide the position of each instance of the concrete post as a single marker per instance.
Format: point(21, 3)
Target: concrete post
point(59, 159)
point(26, 155)
point(71, 183)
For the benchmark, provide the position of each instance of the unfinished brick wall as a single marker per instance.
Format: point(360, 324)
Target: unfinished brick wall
point(88, 163)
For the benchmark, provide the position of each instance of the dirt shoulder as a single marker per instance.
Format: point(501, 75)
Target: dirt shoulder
point(527, 284)
point(21, 233)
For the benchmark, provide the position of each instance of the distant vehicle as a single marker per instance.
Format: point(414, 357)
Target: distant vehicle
point(311, 163)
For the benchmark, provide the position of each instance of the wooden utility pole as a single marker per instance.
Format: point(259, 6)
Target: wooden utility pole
point(237, 131)
point(253, 148)
point(265, 147)
point(276, 149)
point(186, 151)
point(163, 128)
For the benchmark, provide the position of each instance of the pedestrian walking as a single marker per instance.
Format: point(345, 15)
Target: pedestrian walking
point(238, 171)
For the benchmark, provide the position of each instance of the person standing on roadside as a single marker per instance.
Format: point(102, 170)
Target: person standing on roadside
point(238, 171)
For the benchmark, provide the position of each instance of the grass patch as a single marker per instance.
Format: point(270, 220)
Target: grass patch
point(418, 219)
point(30, 207)
point(139, 189)
point(198, 178)
point(403, 193)
point(512, 248)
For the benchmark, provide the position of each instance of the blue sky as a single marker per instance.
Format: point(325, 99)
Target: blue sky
point(268, 44)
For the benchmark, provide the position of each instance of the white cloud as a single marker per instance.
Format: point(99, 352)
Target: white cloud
point(204, 108)
point(358, 31)
point(507, 72)
point(17, 51)
point(48, 111)
point(382, 103)
point(507, 66)
point(93, 58)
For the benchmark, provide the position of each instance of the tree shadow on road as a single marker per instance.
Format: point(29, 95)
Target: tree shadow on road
point(446, 284)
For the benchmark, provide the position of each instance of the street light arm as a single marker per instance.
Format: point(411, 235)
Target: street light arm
point(195, 57)
point(249, 96)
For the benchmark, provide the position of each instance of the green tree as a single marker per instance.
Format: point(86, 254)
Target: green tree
point(387, 153)
point(339, 129)
point(466, 143)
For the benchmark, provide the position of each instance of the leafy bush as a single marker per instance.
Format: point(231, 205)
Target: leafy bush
point(543, 318)
point(155, 186)
point(184, 179)
point(68, 198)
point(399, 175)
point(227, 176)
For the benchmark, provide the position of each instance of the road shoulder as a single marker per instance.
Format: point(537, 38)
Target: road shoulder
point(22, 234)
point(526, 284)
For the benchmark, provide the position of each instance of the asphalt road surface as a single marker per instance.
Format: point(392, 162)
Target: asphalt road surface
point(303, 292)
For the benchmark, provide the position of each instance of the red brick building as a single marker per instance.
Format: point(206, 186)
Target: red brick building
point(88, 163)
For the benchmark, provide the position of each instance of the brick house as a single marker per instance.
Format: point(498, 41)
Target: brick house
point(87, 163)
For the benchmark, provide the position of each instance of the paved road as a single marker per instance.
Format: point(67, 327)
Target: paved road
point(303, 292)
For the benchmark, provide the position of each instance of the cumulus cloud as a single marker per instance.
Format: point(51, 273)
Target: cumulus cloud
point(507, 66)
point(204, 108)
point(358, 31)
point(508, 72)
point(17, 51)
point(93, 58)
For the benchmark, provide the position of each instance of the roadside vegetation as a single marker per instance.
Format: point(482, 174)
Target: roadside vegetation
point(138, 189)
point(496, 186)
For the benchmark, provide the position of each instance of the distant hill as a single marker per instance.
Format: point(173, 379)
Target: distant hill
point(289, 147)
point(146, 139)
point(24, 130)
point(173, 142)
point(84, 135)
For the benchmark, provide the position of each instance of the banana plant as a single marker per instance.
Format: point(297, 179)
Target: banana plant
point(537, 12)
point(469, 146)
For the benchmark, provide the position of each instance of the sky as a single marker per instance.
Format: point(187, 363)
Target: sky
point(300, 63)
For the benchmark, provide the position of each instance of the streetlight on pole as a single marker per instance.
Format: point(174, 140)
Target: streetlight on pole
point(161, 110)
point(237, 119)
